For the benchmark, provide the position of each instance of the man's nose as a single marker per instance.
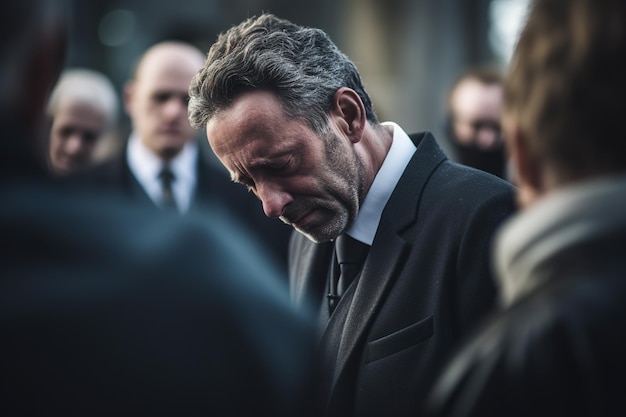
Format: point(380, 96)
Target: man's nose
point(487, 137)
point(75, 144)
point(274, 199)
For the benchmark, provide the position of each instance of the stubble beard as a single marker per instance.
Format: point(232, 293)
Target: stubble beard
point(344, 188)
point(338, 221)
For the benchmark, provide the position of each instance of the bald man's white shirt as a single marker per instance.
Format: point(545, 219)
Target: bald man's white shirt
point(146, 167)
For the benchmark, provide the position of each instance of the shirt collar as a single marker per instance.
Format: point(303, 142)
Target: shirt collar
point(146, 165)
point(366, 223)
point(183, 165)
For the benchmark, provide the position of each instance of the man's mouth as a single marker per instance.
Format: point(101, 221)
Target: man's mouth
point(303, 220)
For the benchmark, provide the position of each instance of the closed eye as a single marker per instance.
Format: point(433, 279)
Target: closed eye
point(280, 168)
point(246, 182)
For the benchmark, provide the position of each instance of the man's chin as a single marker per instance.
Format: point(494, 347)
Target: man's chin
point(322, 224)
point(170, 151)
point(312, 238)
point(318, 235)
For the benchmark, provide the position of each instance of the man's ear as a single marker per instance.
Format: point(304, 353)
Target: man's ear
point(348, 113)
point(527, 169)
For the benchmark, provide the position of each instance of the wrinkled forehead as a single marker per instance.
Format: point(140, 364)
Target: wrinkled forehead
point(256, 128)
point(251, 113)
point(253, 116)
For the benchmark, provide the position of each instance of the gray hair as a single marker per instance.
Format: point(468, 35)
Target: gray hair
point(88, 86)
point(301, 65)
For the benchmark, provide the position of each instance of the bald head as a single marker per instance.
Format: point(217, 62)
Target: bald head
point(178, 52)
point(156, 97)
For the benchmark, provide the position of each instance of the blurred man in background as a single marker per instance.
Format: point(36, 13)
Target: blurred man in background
point(474, 108)
point(84, 110)
point(557, 347)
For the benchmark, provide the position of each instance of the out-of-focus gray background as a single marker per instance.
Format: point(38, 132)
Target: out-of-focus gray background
point(408, 51)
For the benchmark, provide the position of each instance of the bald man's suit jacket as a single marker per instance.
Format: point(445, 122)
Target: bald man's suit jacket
point(425, 284)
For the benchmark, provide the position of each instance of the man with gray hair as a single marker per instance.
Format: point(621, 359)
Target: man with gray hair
point(287, 114)
point(84, 109)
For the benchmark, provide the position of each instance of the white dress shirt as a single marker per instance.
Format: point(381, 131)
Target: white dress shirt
point(146, 167)
point(396, 161)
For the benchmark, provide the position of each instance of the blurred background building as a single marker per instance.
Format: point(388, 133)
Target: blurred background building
point(408, 51)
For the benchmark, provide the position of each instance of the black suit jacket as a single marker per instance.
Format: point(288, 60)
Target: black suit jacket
point(113, 309)
point(425, 284)
point(213, 183)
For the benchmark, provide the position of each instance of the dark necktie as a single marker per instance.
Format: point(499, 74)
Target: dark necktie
point(168, 201)
point(350, 255)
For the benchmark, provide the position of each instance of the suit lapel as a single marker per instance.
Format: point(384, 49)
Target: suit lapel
point(387, 255)
point(378, 274)
point(118, 172)
point(309, 269)
point(136, 190)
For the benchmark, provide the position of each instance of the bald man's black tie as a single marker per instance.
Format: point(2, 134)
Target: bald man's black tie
point(168, 202)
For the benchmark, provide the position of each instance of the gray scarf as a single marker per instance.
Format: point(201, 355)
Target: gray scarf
point(573, 214)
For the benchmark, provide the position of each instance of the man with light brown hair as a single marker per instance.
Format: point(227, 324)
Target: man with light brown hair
point(557, 347)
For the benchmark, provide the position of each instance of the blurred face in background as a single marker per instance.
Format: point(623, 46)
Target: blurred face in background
point(76, 128)
point(476, 111)
point(156, 100)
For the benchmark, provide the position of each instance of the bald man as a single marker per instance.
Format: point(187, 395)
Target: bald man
point(156, 101)
point(83, 109)
point(162, 164)
point(474, 108)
